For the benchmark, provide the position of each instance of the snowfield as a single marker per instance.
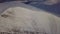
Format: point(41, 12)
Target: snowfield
point(22, 17)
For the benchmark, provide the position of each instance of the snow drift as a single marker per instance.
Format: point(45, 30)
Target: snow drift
point(23, 17)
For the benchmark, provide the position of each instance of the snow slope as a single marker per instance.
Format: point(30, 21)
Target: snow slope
point(23, 17)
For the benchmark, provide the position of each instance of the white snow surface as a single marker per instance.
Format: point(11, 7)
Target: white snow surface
point(17, 15)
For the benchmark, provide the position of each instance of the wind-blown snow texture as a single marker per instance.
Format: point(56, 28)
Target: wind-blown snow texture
point(27, 18)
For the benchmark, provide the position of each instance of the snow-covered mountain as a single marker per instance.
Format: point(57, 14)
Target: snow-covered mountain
point(16, 16)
